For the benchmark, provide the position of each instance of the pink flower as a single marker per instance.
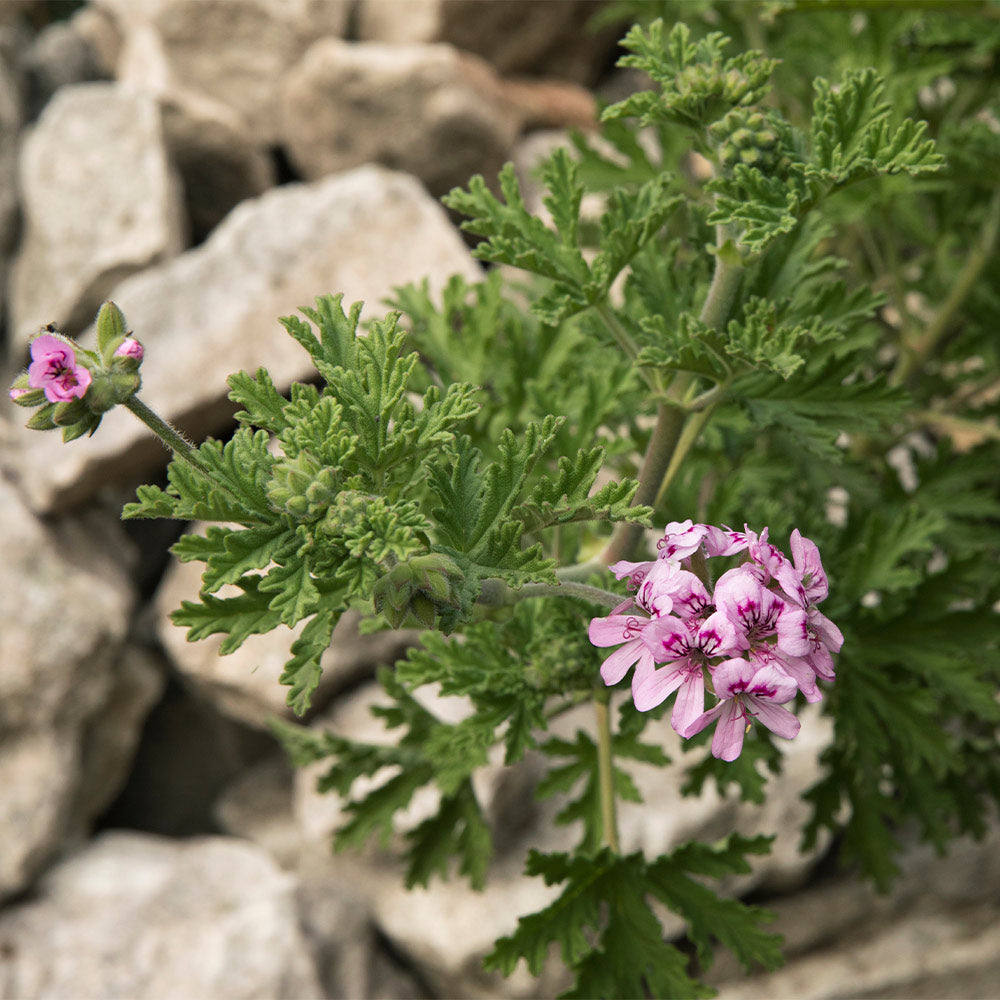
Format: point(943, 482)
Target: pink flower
point(17, 393)
point(130, 348)
point(804, 579)
point(53, 368)
point(686, 647)
point(760, 614)
point(747, 692)
point(680, 539)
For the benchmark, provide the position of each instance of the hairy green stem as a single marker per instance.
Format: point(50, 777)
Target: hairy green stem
point(496, 592)
point(175, 441)
point(170, 436)
point(605, 772)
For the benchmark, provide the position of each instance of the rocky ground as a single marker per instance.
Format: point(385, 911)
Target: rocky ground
point(210, 166)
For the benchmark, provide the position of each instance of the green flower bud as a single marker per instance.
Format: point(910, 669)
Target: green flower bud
point(418, 590)
point(111, 330)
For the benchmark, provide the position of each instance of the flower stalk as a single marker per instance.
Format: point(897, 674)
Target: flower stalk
point(605, 770)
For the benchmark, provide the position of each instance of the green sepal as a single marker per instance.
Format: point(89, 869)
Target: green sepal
point(43, 420)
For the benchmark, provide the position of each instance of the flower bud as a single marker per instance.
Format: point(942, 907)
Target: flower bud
point(128, 355)
point(111, 330)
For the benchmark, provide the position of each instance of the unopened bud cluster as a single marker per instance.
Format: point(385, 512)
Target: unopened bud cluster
point(752, 137)
point(754, 641)
point(418, 590)
point(70, 387)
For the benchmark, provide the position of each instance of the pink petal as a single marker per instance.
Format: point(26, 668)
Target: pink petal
point(653, 688)
point(614, 629)
point(695, 726)
point(793, 631)
point(727, 743)
point(779, 720)
point(616, 666)
point(46, 346)
point(804, 676)
point(771, 682)
point(690, 701)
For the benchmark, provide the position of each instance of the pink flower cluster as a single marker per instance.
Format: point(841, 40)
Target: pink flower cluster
point(754, 641)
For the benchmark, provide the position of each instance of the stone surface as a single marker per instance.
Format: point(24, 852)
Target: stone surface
point(59, 56)
point(544, 37)
point(212, 311)
point(65, 611)
point(132, 915)
point(936, 934)
point(218, 163)
point(426, 109)
point(233, 51)
point(100, 202)
point(244, 684)
point(12, 87)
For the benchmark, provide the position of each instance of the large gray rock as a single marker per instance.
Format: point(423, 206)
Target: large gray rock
point(218, 162)
point(425, 109)
point(72, 699)
point(233, 51)
point(101, 201)
point(11, 117)
point(212, 311)
point(544, 37)
point(936, 934)
point(133, 915)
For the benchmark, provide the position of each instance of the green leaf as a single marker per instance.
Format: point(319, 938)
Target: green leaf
point(302, 672)
point(697, 84)
point(458, 828)
point(263, 405)
point(851, 136)
point(568, 497)
point(609, 936)
point(709, 917)
point(236, 617)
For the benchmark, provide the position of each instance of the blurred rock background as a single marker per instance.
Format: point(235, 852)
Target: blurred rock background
point(211, 165)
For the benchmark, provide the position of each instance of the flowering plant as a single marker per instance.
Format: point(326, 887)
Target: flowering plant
point(759, 328)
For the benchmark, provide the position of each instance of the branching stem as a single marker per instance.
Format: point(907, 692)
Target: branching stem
point(676, 431)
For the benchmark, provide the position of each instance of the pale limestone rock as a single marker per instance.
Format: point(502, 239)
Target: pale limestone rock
point(544, 37)
point(935, 934)
point(100, 202)
point(235, 52)
point(11, 117)
point(426, 109)
point(133, 915)
point(70, 707)
point(213, 310)
point(218, 162)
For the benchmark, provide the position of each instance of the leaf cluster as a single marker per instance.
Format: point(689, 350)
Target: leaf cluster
point(609, 934)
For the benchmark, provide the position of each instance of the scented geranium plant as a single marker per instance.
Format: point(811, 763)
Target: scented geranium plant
point(630, 465)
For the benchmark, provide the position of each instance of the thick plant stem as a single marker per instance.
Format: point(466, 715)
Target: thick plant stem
point(666, 433)
point(605, 773)
point(676, 431)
